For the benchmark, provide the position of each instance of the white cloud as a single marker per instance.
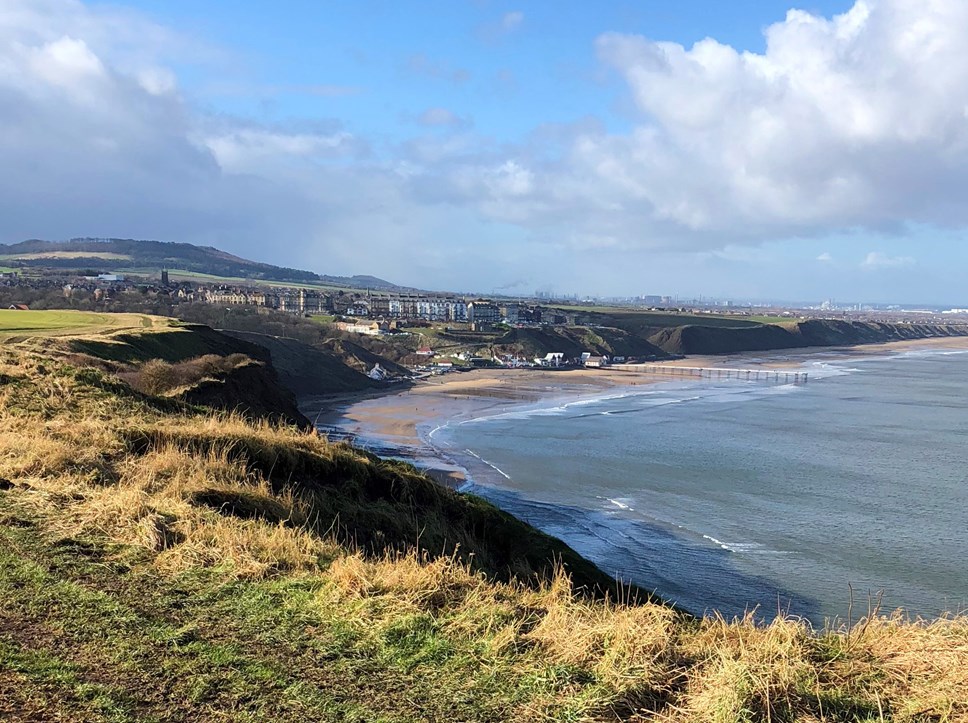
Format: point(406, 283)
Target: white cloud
point(441, 117)
point(855, 121)
point(500, 28)
point(251, 150)
point(512, 21)
point(157, 81)
point(272, 90)
point(878, 260)
point(825, 258)
point(420, 64)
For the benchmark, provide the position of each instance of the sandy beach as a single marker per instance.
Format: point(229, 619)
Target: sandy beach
point(396, 416)
point(402, 418)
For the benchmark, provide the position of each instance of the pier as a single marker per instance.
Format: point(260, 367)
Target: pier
point(774, 376)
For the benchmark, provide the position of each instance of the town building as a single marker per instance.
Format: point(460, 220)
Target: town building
point(483, 312)
point(370, 328)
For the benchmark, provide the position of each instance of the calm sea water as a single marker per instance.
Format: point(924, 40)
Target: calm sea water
point(733, 495)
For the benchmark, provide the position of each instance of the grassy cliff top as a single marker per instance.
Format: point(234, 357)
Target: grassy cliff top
point(14, 323)
point(162, 563)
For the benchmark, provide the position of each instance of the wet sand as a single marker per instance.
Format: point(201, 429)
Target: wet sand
point(397, 416)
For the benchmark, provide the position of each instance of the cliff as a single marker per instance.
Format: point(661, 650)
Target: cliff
point(699, 339)
point(573, 340)
point(309, 370)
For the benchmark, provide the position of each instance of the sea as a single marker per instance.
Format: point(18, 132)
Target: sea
point(825, 500)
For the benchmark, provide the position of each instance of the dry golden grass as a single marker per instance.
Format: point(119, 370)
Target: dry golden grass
point(624, 646)
point(748, 671)
point(164, 499)
point(916, 669)
point(176, 486)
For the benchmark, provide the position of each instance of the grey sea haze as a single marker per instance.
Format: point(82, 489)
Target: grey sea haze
point(730, 496)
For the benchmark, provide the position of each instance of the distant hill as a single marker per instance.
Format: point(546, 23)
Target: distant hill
point(134, 255)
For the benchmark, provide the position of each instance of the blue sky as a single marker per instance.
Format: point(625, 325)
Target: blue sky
point(739, 149)
point(387, 62)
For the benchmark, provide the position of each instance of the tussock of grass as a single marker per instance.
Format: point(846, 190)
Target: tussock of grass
point(380, 574)
point(157, 376)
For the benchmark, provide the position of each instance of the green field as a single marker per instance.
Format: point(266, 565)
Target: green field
point(627, 318)
point(771, 319)
point(65, 255)
point(597, 309)
point(65, 323)
point(183, 275)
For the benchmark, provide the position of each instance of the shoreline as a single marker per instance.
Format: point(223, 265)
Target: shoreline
point(400, 422)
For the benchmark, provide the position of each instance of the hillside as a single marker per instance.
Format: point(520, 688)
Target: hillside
point(697, 339)
point(153, 256)
point(189, 363)
point(685, 334)
point(160, 563)
point(308, 370)
point(572, 341)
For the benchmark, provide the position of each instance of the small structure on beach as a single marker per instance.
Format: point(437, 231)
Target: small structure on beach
point(551, 359)
point(378, 373)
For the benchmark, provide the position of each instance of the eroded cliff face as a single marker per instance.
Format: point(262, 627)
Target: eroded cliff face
point(697, 339)
point(251, 389)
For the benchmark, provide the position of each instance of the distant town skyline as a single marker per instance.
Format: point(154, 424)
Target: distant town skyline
point(731, 150)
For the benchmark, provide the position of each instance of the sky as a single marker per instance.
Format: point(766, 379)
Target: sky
point(750, 149)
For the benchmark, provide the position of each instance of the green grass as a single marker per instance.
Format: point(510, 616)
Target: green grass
point(634, 320)
point(131, 645)
point(104, 255)
point(184, 275)
point(770, 319)
point(157, 564)
point(596, 309)
point(58, 323)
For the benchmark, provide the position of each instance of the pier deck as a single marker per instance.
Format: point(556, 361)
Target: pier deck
point(775, 376)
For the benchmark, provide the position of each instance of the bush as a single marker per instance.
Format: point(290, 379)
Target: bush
point(157, 377)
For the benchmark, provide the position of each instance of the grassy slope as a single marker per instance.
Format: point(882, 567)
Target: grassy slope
point(198, 277)
point(59, 323)
point(120, 343)
point(129, 256)
point(66, 255)
point(635, 321)
point(156, 564)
